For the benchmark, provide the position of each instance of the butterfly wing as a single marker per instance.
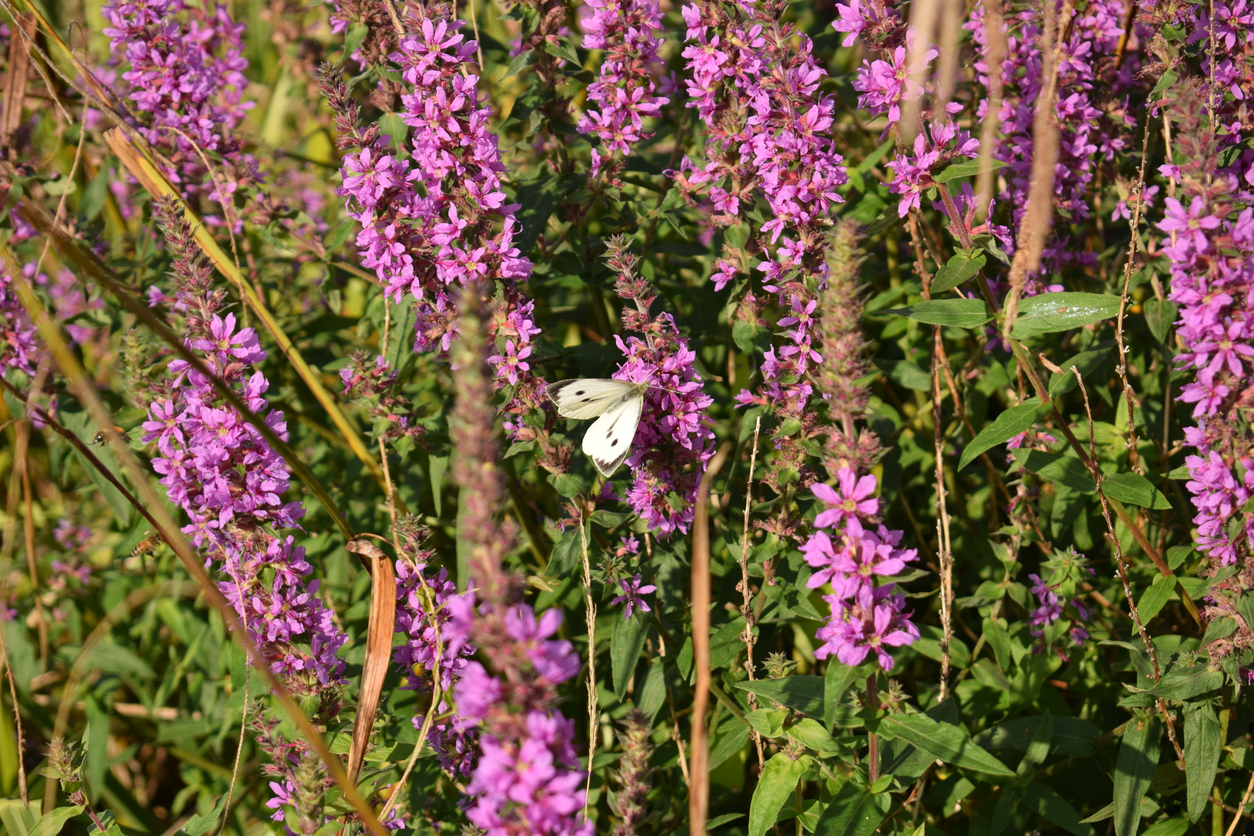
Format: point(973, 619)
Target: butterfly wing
point(589, 397)
point(608, 440)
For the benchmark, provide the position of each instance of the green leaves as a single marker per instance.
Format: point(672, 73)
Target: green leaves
point(1203, 743)
point(966, 168)
point(1010, 423)
point(957, 270)
point(1053, 312)
point(800, 693)
point(775, 786)
point(855, 811)
point(625, 645)
point(1134, 769)
point(948, 743)
point(961, 313)
point(1134, 489)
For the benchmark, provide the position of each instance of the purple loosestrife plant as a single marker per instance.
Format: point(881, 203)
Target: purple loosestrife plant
point(867, 611)
point(1209, 244)
point(623, 95)
point(230, 482)
point(527, 778)
point(755, 83)
point(672, 443)
point(440, 220)
point(423, 592)
point(1093, 118)
point(19, 348)
point(185, 83)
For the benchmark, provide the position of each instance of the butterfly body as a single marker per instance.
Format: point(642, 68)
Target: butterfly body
point(616, 404)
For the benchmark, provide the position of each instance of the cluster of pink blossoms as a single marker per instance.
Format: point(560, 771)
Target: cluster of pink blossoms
point(186, 81)
point(422, 625)
point(755, 83)
point(867, 610)
point(672, 443)
point(624, 92)
point(19, 348)
point(230, 482)
point(527, 779)
point(439, 220)
point(1093, 118)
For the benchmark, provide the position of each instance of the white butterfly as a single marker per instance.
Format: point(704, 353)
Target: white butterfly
point(618, 403)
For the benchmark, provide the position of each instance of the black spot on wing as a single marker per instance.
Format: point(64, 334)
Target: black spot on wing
point(614, 443)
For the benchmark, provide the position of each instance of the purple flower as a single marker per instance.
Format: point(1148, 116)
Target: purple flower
point(1191, 224)
point(632, 590)
point(871, 621)
point(855, 499)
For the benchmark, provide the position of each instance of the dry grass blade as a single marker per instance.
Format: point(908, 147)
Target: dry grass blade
point(699, 745)
point(988, 128)
point(378, 647)
point(1036, 224)
point(923, 19)
point(15, 79)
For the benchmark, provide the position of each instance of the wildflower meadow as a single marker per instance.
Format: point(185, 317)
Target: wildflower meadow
point(633, 417)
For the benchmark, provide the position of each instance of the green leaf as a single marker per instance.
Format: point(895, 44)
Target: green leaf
point(960, 313)
point(652, 694)
point(854, 811)
point(568, 485)
point(1052, 312)
point(1055, 809)
point(1038, 747)
point(1159, 316)
point(625, 646)
point(775, 787)
point(1057, 467)
point(17, 818)
point(1186, 682)
point(750, 337)
point(437, 466)
point(51, 823)
point(1170, 827)
point(393, 126)
point(948, 743)
point(889, 217)
point(567, 555)
point(1134, 769)
point(904, 373)
point(536, 202)
point(520, 62)
point(1203, 744)
point(768, 722)
point(1071, 736)
point(800, 693)
point(1010, 423)
point(1007, 804)
point(732, 735)
point(1154, 598)
point(200, 825)
point(354, 37)
point(564, 49)
point(908, 762)
point(1135, 489)
point(810, 733)
point(1087, 361)
point(957, 270)
point(107, 657)
point(966, 168)
point(838, 679)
